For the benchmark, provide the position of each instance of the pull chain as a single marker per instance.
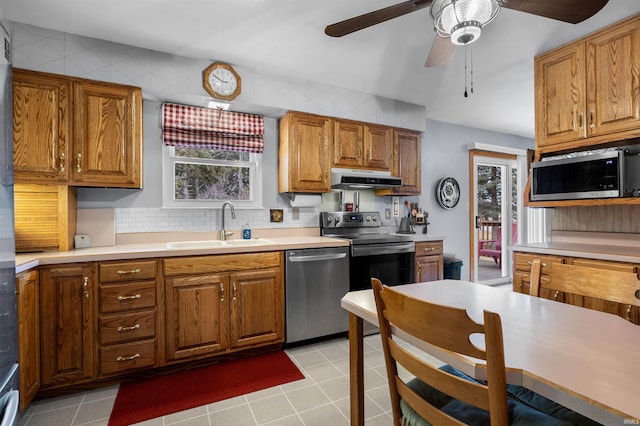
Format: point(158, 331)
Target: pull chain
point(471, 53)
point(465, 71)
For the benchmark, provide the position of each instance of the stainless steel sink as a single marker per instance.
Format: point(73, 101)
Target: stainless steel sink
point(219, 243)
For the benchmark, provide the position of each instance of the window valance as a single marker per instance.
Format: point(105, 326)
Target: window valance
point(194, 127)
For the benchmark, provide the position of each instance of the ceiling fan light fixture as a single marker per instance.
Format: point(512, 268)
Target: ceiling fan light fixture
point(462, 20)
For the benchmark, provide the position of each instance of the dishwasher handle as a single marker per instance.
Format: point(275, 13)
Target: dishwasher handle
point(317, 257)
point(10, 407)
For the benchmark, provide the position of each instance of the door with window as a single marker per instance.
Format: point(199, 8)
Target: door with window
point(496, 206)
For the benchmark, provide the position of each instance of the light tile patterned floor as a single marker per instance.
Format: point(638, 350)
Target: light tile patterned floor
point(322, 398)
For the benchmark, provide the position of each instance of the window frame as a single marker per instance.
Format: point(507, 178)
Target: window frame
point(168, 181)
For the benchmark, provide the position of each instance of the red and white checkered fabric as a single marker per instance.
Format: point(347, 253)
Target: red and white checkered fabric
point(194, 127)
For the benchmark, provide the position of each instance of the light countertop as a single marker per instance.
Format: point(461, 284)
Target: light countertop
point(27, 261)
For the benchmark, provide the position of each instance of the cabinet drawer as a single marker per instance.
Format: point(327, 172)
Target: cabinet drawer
point(522, 261)
point(427, 248)
point(127, 271)
point(222, 263)
point(124, 327)
point(128, 356)
point(125, 297)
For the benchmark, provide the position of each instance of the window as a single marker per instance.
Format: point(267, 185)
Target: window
point(203, 177)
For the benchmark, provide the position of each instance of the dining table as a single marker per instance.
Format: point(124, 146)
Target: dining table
point(586, 360)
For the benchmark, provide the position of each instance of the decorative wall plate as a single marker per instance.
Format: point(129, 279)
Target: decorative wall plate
point(448, 192)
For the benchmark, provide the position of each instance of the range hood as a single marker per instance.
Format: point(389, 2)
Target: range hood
point(363, 179)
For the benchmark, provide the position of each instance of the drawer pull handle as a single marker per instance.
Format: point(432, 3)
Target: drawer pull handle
point(135, 271)
point(127, 358)
point(429, 249)
point(135, 296)
point(134, 327)
point(628, 317)
point(555, 296)
point(544, 265)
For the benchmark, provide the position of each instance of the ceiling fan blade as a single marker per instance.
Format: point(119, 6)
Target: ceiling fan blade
point(441, 52)
point(571, 11)
point(367, 20)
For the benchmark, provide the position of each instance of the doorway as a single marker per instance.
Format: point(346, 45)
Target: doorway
point(496, 207)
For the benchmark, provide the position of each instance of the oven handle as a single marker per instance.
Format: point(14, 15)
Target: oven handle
point(317, 257)
point(373, 250)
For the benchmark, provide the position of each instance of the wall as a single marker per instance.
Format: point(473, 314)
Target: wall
point(596, 219)
point(445, 154)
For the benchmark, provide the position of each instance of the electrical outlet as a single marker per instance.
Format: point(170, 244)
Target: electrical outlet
point(396, 206)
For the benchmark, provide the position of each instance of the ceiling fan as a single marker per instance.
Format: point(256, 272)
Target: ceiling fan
point(460, 22)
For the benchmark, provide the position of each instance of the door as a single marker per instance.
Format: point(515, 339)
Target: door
point(496, 207)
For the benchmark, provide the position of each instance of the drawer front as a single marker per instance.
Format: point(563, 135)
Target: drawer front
point(127, 271)
point(120, 328)
point(522, 261)
point(126, 297)
point(221, 263)
point(425, 248)
point(128, 356)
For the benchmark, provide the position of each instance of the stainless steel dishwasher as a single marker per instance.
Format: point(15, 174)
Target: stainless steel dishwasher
point(315, 281)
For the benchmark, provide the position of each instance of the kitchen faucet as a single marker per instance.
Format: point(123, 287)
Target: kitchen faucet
point(223, 233)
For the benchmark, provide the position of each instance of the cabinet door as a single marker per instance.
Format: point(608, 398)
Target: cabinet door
point(41, 127)
point(305, 154)
point(68, 324)
point(108, 135)
point(197, 315)
point(378, 147)
point(613, 76)
point(407, 163)
point(560, 97)
point(347, 144)
point(521, 282)
point(429, 268)
point(28, 336)
point(257, 314)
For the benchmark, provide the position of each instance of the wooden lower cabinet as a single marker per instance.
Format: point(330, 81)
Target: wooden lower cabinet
point(223, 303)
point(521, 280)
point(429, 264)
point(68, 324)
point(28, 301)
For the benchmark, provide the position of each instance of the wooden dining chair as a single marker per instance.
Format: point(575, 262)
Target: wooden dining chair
point(445, 396)
point(621, 286)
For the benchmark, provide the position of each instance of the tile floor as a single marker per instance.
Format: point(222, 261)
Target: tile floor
point(322, 398)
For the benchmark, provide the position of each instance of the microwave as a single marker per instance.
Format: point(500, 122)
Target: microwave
point(601, 174)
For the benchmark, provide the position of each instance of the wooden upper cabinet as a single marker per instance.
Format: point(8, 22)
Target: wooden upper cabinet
point(348, 144)
point(108, 135)
point(304, 153)
point(406, 163)
point(378, 147)
point(41, 127)
point(588, 92)
point(76, 131)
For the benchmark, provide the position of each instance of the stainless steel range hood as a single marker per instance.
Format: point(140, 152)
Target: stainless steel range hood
point(363, 179)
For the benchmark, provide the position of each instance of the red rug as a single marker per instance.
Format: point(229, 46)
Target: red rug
point(175, 392)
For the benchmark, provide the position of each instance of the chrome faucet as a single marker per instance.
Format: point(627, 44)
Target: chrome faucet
point(223, 233)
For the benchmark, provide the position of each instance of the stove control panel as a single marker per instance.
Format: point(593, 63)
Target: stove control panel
point(350, 219)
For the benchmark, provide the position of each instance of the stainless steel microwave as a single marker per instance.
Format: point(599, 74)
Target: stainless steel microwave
point(607, 174)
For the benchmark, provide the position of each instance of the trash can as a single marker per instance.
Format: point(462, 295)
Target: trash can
point(452, 267)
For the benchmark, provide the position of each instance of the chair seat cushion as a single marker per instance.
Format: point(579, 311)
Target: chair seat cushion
point(525, 408)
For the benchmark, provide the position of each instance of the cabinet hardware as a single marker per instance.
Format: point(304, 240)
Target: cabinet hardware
point(134, 327)
point(127, 358)
point(544, 265)
point(79, 163)
point(221, 292)
point(637, 294)
point(555, 296)
point(429, 249)
point(135, 271)
point(234, 291)
point(628, 313)
point(591, 124)
point(530, 263)
point(580, 120)
point(85, 286)
point(135, 296)
point(326, 173)
point(62, 162)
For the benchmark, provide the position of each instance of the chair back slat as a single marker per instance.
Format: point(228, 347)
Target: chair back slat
point(616, 286)
point(534, 282)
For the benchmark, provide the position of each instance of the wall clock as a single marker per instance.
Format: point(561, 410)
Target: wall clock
point(221, 81)
point(448, 192)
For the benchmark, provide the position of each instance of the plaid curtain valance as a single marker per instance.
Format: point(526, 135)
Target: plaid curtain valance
point(194, 127)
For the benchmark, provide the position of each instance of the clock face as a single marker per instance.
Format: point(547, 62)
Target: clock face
point(221, 81)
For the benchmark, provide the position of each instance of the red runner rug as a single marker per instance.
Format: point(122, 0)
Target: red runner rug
point(180, 391)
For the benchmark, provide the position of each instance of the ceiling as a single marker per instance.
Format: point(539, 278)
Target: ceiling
point(287, 37)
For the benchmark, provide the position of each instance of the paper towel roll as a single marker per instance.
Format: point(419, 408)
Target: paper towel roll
point(305, 200)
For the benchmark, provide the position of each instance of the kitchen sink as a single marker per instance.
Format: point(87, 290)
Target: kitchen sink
point(219, 243)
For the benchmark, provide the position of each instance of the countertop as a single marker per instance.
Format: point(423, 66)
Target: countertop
point(27, 261)
point(603, 246)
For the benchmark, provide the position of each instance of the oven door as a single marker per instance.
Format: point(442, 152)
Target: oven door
point(392, 264)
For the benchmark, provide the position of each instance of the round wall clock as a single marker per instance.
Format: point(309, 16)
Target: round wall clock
point(448, 192)
point(221, 81)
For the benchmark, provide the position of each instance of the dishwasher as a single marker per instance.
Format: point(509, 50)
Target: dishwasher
point(315, 282)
